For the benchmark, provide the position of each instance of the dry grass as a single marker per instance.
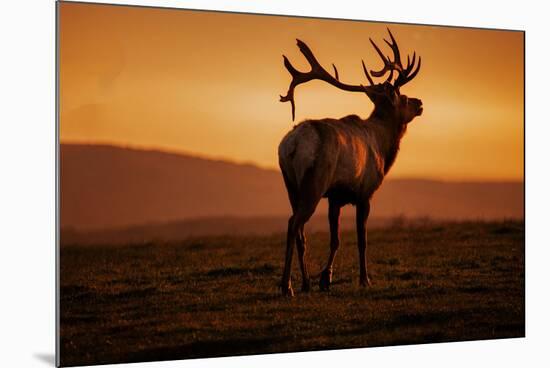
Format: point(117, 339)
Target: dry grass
point(219, 296)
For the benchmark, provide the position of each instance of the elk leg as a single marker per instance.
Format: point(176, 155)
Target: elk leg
point(303, 206)
point(286, 286)
point(304, 210)
point(295, 224)
point(362, 214)
point(301, 245)
point(334, 223)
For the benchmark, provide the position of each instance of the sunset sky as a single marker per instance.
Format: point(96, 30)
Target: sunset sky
point(208, 84)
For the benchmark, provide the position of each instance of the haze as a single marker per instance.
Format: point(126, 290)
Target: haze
point(208, 84)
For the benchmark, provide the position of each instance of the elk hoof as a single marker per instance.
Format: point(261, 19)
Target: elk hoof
point(287, 291)
point(364, 282)
point(306, 286)
point(325, 280)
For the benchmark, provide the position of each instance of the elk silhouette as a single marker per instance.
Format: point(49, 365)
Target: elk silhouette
point(344, 160)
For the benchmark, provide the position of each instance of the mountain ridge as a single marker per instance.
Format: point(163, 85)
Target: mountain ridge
point(106, 186)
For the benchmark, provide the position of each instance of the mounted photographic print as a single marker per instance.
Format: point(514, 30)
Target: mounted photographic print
point(219, 174)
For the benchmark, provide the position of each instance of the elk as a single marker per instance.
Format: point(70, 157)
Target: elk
point(343, 160)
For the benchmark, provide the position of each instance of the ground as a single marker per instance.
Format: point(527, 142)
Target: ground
point(218, 296)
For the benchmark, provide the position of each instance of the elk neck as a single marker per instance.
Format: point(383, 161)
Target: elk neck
point(388, 131)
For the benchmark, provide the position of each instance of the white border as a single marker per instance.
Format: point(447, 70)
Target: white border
point(27, 187)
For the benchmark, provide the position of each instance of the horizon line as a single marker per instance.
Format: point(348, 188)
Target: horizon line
point(178, 152)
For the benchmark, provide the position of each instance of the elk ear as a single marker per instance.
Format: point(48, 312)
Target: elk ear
point(380, 94)
point(374, 93)
point(373, 96)
point(392, 94)
point(396, 97)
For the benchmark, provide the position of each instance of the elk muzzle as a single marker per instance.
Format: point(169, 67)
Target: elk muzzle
point(417, 105)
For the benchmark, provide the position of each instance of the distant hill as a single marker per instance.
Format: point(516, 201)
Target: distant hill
point(106, 187)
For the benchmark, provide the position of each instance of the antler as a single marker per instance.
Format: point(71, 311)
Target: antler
point(316, 72)
point(405, 74)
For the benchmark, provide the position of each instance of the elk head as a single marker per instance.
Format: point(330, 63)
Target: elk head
point(389, 103)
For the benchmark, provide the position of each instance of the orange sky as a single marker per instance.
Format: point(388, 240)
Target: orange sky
point(209, 84)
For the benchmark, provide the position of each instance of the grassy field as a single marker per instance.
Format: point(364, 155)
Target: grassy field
point(218, 296)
